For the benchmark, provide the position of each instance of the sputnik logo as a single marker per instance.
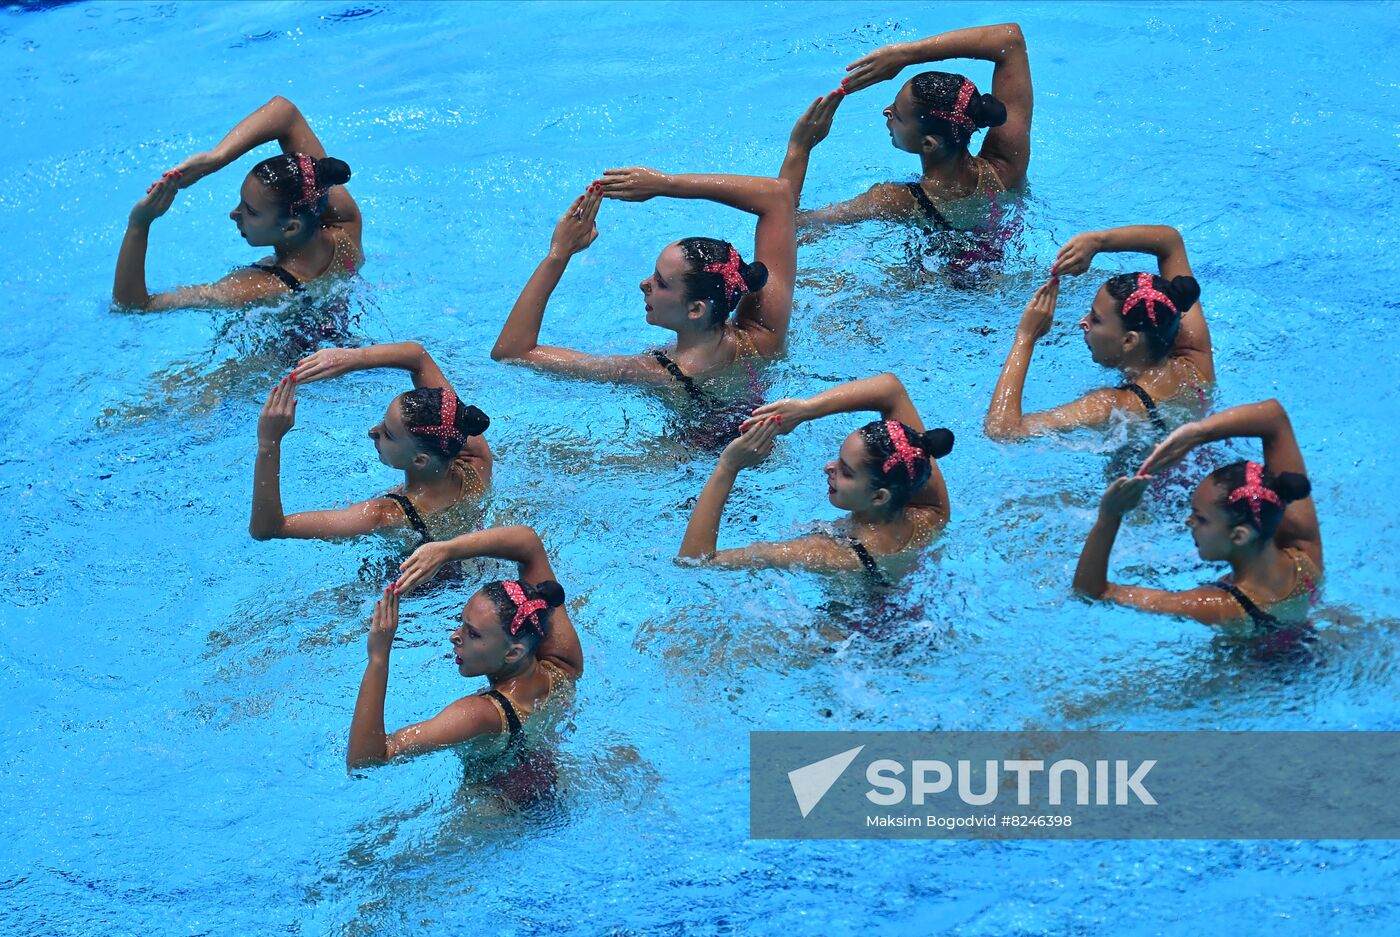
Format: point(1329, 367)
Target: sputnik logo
point(811, 782)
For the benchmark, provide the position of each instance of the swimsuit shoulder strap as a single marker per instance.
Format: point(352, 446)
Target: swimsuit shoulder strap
point(1148, 404)
point(927, 207)
point(866, 560)
point(685, 380)
point(512, 718)
point(1256, 614)
point(410, 512)
point(281, 273)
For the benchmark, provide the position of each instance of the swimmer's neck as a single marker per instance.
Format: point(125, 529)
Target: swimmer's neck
point(524, 667)
point(1138, 367)
point(705, 340)
point(948, 172)
point(864, 524)
point(436, 474)
point(310, 252)
point(1255, 568)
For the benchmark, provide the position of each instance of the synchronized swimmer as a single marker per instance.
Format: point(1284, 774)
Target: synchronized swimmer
point(728, 314)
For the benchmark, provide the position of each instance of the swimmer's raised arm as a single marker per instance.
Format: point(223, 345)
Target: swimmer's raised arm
point(1268, 422)
point(811, 552)
point(1166, 244)
point(519, 544)
point(750, 449)
point(885, 200)
point(811, 128)
point(764, 314)
point(1005, 420)
point(408, 356)
point(370, 744)
point(280, 120)
point(1007, 146)
point(519, 338)
point(268, 522)
point(129, 292)
point(1208, 606)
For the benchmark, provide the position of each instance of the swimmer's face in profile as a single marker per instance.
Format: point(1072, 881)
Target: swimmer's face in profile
point(258, 217)
point(664, 292)
point(397, 447)
point(901, 121)
point(1210, 526)
point(480, 644)
point(1103, 330)
point(849, 484)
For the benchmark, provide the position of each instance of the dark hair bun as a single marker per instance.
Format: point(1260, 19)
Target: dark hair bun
point(755, 275)
point(986, 111)
point(471, 421)
point(1291, 486)
point(936, 443)
point(1184, 291)
point(331, 171)
point(550, 591)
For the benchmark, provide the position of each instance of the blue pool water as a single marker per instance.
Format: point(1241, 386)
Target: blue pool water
point(178, 696)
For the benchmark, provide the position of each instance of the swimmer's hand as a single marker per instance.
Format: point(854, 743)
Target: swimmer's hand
point(790, 413)
point(576, 230)
point(383, 623)
point(1171, 450)
point(196, 167)
point(634, 183)
point(421, 566)
point(279, 413)
point(159, 197)
point(1039, 313)
point(881, 65)
point(1077, 254)
point(1123, 494)
point(755, 445)
point(327, 363)
point(815, 123)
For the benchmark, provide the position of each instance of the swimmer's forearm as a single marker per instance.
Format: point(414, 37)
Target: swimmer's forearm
point(989, 43)
point(1005, 416)
point(519, 544)
point(883, 393)
point(757, 195)
point(129, 284)
point(406, 356)
point(1091, 574)
point(369, 743)
point(1261, 421)
point(275, 120)
point(267, 519)
point(702, 532)
point(1161, 241)
point(794, 170)
point(521, 333)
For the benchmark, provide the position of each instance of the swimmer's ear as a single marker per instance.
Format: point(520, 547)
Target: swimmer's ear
point(514, 652)
point(931, 144)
